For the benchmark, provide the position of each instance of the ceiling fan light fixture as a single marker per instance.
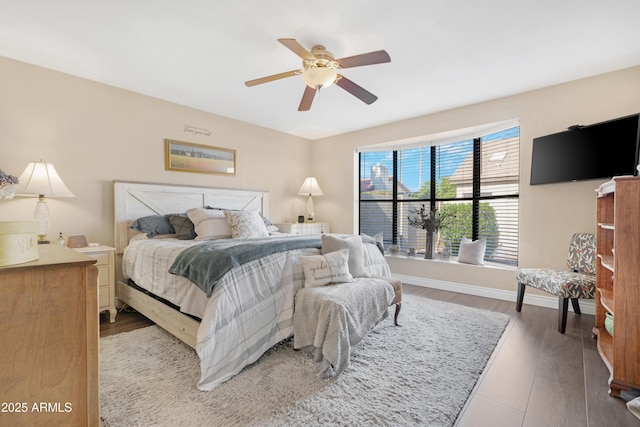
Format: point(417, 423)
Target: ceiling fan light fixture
point(319, 77)
point(320, 71)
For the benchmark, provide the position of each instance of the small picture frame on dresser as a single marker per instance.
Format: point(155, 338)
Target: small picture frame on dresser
point(300, 219)
point(77, 242)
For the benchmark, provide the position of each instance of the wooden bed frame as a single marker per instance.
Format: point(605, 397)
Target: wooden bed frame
point(133, 200)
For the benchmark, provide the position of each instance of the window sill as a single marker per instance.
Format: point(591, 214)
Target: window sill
point(453, 261)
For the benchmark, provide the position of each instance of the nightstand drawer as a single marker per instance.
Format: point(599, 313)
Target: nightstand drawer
point(304, 228)
point(104, 275)
point(103, 258)
point(104, 296)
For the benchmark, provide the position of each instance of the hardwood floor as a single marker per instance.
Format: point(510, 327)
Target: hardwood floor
point(126, 320)
point(536, 377)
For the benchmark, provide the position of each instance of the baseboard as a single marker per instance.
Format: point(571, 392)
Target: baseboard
point(586, 306)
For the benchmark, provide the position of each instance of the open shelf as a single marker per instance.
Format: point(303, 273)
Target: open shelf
point(606, 299)
point(607, 261)
point(605, 346)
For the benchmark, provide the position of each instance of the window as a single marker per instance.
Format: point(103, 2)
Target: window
point(473, 181)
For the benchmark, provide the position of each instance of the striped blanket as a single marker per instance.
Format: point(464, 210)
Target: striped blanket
point(206, 263)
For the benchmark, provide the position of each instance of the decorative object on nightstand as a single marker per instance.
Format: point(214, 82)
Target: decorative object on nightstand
point(106, 261)
point(306, 228)
point(77, 242)
point(310, 188)
point(40, 179)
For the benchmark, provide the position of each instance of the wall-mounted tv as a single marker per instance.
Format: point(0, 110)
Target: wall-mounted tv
point(598, 151)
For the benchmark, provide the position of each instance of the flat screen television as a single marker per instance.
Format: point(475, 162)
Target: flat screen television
point(598, 151)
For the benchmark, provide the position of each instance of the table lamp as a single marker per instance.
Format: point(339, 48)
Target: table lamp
point(40, 179)
point(310, 188)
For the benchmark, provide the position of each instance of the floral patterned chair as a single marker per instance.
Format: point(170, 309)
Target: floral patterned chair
point(578, 282)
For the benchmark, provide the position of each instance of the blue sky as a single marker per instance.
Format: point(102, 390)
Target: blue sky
point(456, 151)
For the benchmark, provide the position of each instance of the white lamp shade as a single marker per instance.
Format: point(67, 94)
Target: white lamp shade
point(40, 178)
point(310, 187)
point(319, 77)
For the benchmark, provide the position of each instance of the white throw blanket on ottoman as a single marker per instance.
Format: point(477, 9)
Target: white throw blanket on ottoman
point(328, 320)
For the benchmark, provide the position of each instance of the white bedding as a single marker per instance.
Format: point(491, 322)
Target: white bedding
point(249, 311)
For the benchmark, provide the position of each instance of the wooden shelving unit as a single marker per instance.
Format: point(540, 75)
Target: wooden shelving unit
point(618, 280)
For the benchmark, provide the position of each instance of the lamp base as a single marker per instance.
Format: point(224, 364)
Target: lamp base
point(42, 239)
point(310, 213)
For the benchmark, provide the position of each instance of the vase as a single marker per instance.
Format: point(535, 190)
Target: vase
point(7, 191)
point(428, 249)
point(443, 249)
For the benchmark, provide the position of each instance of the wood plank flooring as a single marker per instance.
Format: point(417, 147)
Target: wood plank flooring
point(536, 377)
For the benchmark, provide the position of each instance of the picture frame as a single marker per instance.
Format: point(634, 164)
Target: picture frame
point(77, 242)
point(189, 157)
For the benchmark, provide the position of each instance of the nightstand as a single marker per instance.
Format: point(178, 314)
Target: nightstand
point(105, 255)
point(304, 228)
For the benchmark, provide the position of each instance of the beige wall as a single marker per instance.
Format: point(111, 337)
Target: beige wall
point(95, 134)
point(549, 214)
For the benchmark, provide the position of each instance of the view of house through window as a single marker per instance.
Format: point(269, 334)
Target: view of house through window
point(472, 183)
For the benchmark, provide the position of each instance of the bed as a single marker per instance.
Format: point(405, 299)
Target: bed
point(246, 310)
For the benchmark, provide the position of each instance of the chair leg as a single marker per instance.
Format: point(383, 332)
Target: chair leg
point(395, 316)
point(563, 306)
point(521, 287)
point(576, 305)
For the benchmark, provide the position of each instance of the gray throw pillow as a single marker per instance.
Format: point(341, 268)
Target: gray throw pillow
point(182, 225)
point(332, 243)
point(153, 225)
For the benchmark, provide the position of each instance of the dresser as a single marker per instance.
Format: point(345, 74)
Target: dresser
point(105, 257)
point(304, 228)
point(49, 340)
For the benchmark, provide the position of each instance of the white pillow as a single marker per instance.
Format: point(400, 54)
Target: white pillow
point(472, 252)
point(320, 270)
point(332, 243)
point(209, 224)
point(245, 224)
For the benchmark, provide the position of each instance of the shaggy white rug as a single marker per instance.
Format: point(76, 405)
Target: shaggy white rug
point(418, 374)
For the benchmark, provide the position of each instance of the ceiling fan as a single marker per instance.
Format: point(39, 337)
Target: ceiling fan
point(320, 71)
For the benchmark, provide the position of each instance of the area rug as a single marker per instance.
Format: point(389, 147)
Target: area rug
point(420, 373)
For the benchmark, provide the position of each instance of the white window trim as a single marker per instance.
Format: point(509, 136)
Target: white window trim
point(441, 137)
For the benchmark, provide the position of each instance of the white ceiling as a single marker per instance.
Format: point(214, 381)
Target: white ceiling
point(444, 53)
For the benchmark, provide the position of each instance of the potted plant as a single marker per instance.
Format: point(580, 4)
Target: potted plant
point(429, 220)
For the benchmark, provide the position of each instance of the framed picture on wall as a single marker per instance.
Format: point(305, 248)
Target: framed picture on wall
point(188, 157)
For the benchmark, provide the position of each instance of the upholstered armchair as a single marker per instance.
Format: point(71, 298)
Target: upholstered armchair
point(578, 282)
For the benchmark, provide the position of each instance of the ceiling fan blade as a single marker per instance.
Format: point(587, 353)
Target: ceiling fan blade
point(359, 92)
point(297, 48)
point(377, 57)
point(272, 78)
point(307, 98)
